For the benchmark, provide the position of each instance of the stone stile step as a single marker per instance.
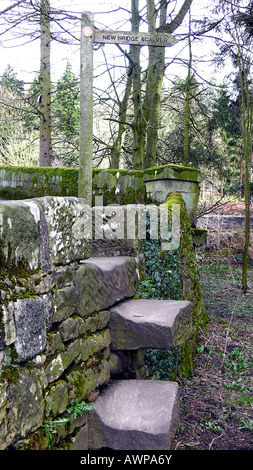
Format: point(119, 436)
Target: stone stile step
point(148, 323)
point(134, 415)
point(104, 281)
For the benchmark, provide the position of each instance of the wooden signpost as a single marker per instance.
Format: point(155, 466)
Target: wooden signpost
point(89, 36)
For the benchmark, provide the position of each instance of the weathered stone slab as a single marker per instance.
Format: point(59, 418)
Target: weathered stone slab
point(30, 322)
point(19, 232)
point(46, 232)
point(61, 362)
point(136, 324)
point(104, 281)
point(82, 380)
point(135, 415)
point(80, 441)
point(56, 398)
point(109, 232)
point(22, 408)
point(65, 228)
point(65, 303)
point(94, 343)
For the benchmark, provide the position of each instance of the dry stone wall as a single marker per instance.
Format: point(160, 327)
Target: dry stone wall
point(54, 315)
point(58, 283)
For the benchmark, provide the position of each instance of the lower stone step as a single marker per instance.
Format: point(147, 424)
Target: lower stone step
point(134, 415)
point(144, 323)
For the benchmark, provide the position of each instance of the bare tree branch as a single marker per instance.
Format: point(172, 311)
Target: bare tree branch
point(12, 6)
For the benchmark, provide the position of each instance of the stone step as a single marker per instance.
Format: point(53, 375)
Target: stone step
point(103, 281)
point(136, 324)
point(134, 415)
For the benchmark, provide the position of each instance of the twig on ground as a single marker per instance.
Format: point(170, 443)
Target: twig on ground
point(214, 439)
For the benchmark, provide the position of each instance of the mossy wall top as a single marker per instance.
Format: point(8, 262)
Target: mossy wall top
point(29, 182)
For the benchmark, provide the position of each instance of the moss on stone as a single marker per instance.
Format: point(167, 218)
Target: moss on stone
point(173, 275)
point(56, 181)
point(10, 375)
point(36, 441)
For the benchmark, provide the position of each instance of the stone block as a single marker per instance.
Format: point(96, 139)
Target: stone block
point(80, 441)
point(30, 322)
point(82, 380)
point(49, 309)
point(65, 303)
point(72, 327)
point(137, 324)
point(109, 232)
point(23, 407)
point(8, 324)
point(19, 232)
point(56, 398)
point(104, 281)
point(94, 343)
point(57, 366)
point(134, 415)
point(54, 343)
point(66, 229)
point(59, 277)
point(103, 319)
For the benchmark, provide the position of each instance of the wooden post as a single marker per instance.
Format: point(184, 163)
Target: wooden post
point(86, 108)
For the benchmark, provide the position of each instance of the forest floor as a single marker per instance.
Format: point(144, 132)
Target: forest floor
point(216, 401)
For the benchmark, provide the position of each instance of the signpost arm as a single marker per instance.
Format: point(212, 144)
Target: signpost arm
point(86, 108)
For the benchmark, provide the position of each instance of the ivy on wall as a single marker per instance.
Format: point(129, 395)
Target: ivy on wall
point(161, 281)
point(172, 275)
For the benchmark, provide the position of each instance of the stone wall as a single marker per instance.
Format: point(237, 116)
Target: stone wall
point(54, 336)
point(116, 186)
point(57, 285)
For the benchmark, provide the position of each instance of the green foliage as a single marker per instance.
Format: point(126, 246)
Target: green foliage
point(78, 409)
point(10, 81)
point(161, 281)
point(20, 120)
point(200, 349)
point(227, 116)
point(65, 111)
point(18, 145)
point(51, 426)
point(163, 364)
point(235, 361)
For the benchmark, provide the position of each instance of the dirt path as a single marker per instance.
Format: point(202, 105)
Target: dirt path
point(216, 402)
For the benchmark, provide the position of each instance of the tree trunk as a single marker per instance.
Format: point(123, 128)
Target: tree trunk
point(146, 111)
point(139, 127)
point(45, 85)
point(247, 109)
point(158, 54)
point(247, 128)
point(187, 101)
point(117, 145)
point(241, 179)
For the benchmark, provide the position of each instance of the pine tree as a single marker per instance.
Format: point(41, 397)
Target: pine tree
point(66, 118)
